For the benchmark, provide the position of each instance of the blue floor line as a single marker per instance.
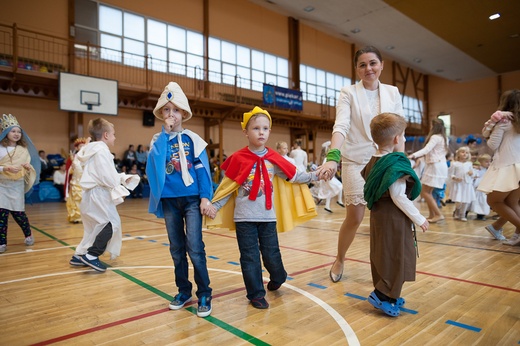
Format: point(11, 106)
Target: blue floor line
point(316, 285)
point(465, 326)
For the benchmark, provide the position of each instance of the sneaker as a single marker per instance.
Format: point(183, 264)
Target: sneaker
point(204, 308)
point(497, 234)
point(3, 247)
point(514, 240)
point(259, 303)
point(76, 261)
point(179, 300)
point(94, 264)
point(29, 240)
point(463, 219)
point(271, 286)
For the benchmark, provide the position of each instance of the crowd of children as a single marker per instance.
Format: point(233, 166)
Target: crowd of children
point(253, 190)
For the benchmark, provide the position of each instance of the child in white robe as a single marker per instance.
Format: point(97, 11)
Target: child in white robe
point(103, 190)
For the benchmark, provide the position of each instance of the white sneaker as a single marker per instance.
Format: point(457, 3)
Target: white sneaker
point(29, 240)
point(3, 248)
point(514, 240)
point(496, 233)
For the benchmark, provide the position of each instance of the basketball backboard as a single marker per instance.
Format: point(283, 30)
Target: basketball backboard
point(86, 94)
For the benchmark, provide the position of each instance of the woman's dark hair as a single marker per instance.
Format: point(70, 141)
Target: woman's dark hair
point(438, 129)
point(367, 49)
point(510, 102)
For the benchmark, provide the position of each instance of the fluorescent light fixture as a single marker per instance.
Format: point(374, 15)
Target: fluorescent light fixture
point(308, 9)
point(494, 16)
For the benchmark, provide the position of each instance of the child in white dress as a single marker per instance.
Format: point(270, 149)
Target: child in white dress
point(480, 205)
point(462, 191)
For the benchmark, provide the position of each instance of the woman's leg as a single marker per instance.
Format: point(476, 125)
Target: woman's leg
point(347, 232)
point(435, 213)
point(506, 205)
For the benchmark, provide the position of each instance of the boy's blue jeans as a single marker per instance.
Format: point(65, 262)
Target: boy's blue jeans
point(177, 212)
point(255, 238)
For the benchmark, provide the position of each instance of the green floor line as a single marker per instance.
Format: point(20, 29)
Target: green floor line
point(219, 323)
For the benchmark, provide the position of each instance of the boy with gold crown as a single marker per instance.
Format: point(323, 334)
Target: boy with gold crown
point(255, 196)
point(19, 171)
point(180, 192)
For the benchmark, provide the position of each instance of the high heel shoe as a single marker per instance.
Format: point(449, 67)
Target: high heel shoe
point(335, 277)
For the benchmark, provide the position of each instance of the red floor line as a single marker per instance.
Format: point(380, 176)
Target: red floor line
point(126, 320)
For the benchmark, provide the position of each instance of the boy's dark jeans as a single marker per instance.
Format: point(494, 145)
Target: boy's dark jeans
point(177, 212)
point(255, 238)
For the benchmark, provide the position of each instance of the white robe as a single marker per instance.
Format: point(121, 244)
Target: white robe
point(103, 190)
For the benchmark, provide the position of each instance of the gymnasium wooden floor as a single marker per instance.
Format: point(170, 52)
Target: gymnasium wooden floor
point(467, 290)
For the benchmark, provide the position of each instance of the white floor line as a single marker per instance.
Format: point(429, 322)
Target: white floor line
point(350, 335)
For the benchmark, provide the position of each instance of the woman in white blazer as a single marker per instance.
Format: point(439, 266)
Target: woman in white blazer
point(352, 143)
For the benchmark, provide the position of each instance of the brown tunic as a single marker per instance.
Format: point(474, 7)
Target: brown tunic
point(392, 246)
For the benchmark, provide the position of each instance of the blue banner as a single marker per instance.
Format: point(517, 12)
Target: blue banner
point(284, 98)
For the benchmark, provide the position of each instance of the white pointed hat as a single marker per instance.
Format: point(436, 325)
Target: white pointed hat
point(174, 94)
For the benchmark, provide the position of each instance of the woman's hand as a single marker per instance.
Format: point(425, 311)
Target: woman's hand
point(327, 170)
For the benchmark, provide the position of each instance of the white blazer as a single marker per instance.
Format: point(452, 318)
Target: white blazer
point(353, 116)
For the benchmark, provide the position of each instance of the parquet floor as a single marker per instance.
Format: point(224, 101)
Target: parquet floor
point(467, 290)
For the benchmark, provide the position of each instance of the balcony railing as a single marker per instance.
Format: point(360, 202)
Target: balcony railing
point(26, 51)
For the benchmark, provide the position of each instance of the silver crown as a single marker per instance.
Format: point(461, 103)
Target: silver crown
point(8, 120)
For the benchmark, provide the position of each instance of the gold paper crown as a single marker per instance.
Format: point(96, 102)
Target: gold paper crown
point(7, 121)
point(255, 110)
point(79, 141)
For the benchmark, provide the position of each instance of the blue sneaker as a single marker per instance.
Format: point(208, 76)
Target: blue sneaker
point(76, 261)
point(179, 300)
point(204, 308)
point(94, 264)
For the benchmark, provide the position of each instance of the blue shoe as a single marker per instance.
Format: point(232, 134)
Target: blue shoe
point(76, 261)
point(204, 308)
point(94, 264)
point(387, 307)
point(179, 300)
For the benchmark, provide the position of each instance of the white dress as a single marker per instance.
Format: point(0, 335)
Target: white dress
point(480, 205)
point(462, 191)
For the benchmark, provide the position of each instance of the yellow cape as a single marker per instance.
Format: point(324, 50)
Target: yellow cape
point(293, 204)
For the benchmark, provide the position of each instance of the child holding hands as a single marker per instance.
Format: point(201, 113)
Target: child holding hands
point(391, 186)
point(103, 189)
point(179, 175)
point(249, 194)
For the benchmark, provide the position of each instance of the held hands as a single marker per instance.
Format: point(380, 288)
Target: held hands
point(327, 170)
point(207, 209)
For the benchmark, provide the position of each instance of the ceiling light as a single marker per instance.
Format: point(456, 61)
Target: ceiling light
point(439, 70)
point(417, 60)
point(308, 9)
point(389, 47)
point(514, 36)
point(494, 16)
point(355, 31)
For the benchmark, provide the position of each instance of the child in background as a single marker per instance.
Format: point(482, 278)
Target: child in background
point(283, 149)
point(327, 189)
point(248, 195)
point(59, 178)
point(73, 190)
point(480, 205)
point(179, 175)
point(19, 171)
point(103, 190)
point(462, 191)
point(391, 186)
